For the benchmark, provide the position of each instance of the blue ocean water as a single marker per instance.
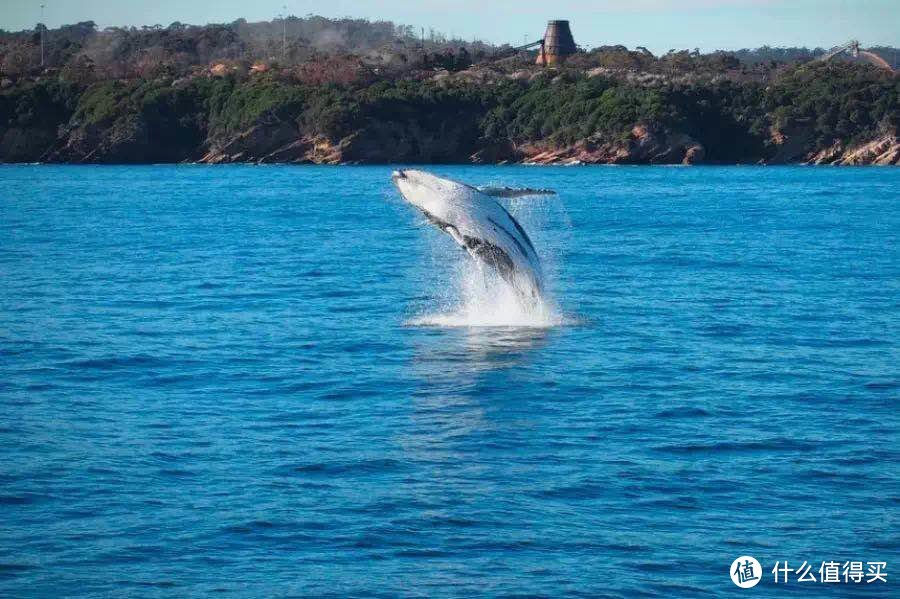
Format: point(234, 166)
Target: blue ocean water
point(210, 381)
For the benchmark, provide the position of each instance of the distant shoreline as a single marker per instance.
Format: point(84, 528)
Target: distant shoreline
point(347, 91)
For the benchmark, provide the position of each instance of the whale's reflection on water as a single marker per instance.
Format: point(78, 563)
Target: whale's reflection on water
point(451, 352)
point(461, 377)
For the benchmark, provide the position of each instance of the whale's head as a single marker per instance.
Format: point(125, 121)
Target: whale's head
point(429, 193)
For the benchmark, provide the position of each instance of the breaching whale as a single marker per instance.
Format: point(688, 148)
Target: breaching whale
point(478, 223)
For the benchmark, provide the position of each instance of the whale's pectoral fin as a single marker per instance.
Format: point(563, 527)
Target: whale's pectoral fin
point(454, 233)
point(445, 227)
point(491, 255)
point(514, 192)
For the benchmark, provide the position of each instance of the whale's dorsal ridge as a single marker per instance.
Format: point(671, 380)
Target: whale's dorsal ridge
point(514, 192)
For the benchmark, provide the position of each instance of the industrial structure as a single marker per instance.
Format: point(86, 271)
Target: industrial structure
point(852, 50)
point(556, 45)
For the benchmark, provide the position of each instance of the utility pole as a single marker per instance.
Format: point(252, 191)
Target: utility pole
point(42, 35)
point(284, 35)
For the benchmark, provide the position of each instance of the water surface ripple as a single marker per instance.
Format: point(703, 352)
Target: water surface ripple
point(208, 383)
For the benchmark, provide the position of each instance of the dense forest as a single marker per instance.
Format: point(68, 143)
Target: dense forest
point(321, 90)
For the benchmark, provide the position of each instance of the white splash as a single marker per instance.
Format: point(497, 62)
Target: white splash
point(484, 299)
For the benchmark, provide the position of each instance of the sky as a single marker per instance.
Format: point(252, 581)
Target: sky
point(659, 25)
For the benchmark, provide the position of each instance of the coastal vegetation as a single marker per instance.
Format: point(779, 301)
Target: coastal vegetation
point(372, 92)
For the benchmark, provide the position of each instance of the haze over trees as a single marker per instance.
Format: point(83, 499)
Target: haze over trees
point(120, 52)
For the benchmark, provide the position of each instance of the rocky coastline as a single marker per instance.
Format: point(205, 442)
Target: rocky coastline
point(281, 143)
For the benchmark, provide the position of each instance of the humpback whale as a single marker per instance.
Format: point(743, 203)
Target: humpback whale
point(478, 223)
